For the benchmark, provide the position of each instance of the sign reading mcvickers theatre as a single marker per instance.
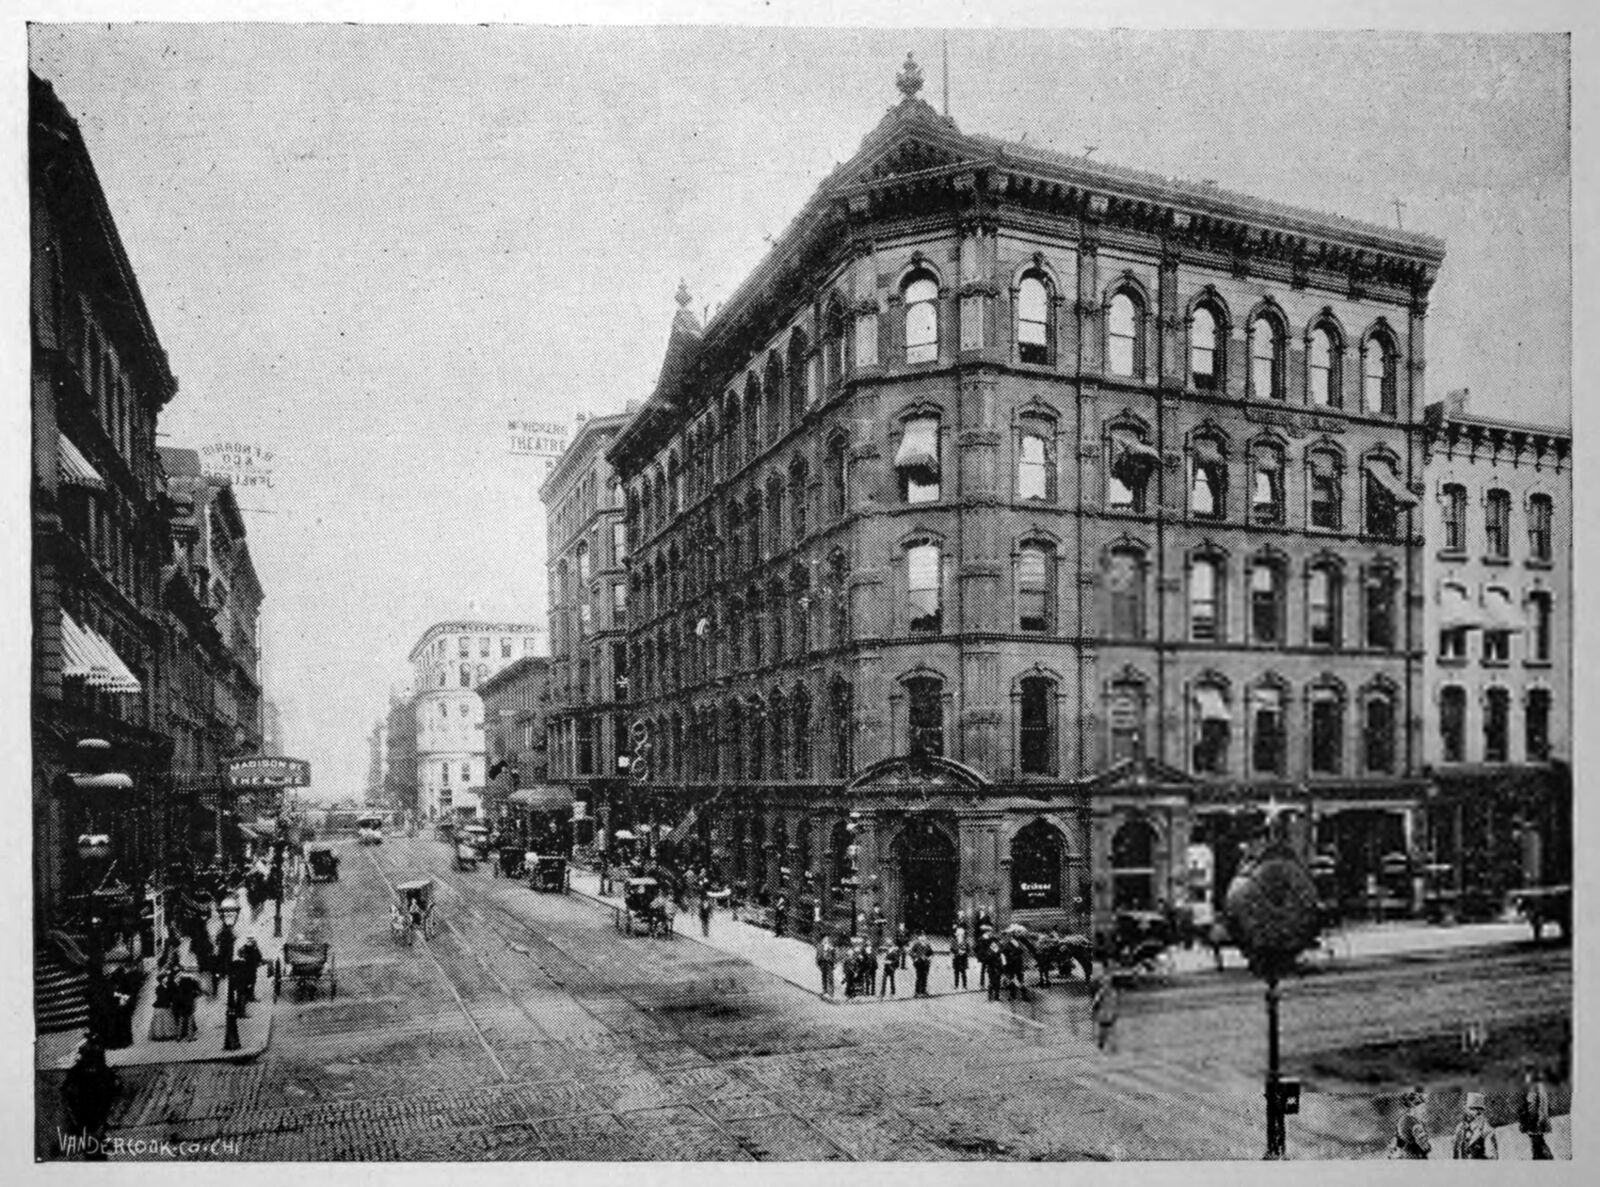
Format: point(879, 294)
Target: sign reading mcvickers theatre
point(532, 438)
point(269, 772)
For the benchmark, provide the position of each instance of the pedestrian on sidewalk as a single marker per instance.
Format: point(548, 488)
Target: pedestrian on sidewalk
point(827, 957)
point(1533, 1113)
point(902, 943)
point(707, 905)
point(1474, 1137)
point(989, 960)
point(185, 992)
point(1104, 1008)
point(88, 1092)
point(960, 953)
point(869, 967)
point(921, 961)
point(780, 915)
point(163, 1022)
point(1411, 1129)
point(852, 968)
point(250, 961)
point(892, 956)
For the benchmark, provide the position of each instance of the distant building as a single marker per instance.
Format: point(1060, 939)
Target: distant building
point(515, 704)
point(400, 757)
point(450, 663)
point(587, 555)
point(1498, 626)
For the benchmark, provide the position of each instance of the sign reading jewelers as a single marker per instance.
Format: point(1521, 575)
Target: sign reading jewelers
point(269, 772)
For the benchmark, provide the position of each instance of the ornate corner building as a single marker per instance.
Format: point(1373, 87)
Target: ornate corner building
point(1022, 527)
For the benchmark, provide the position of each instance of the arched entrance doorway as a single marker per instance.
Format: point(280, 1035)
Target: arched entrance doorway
point(1133, 867)
point(929, 873)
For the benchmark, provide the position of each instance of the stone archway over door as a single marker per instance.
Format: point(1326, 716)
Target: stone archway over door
point(929, 873)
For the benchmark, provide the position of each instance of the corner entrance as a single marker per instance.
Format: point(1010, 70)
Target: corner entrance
point(929, 873)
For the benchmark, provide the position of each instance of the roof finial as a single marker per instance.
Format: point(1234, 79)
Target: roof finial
point(683, 294)
point(910, 78)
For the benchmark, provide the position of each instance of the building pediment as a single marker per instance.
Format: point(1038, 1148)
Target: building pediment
point(1133, 774)
point(921, 774)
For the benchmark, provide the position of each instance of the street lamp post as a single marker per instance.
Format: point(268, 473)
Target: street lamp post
point(854, 854)
point(229, 910)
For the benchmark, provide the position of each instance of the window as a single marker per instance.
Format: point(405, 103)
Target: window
point(1124, 323)
point(1267, 742)
point(1036, 470)
point(1536, 722)
point(1266, 485)
point(1541, 513)
point(1378, 376)
point(466, 772)
point(1035, 717)
point(1539, 607)
point(505, 648)
point(922, 319)
point(775, 514)
point(1379, 592)
point(466, 643)
point(833, 348)
point(1327, 731)
point(916, 461)
point(1213, 729)
point(1035, 582)
point(1125, 589)
point(1266, 602)
point(1453, 723)
point(466, 675)
point(799, 376)
point(1266, 360)
point(1323, 605)
point(1377, 733)
point(1204, 600)
point(619, 604)
point(922, 587)
point(1208, 485)
point(1204, 359)
point(839, 591)
point(838, 477)
point(483, 647)
point(1455, 517)
point(444, 773)
point(583, 570)
point(1033, 319)
point(800, 707)
point(1322, 379)
point(799, 500)
point(1325, 490)
point(1497, 523)
point(1125, 715)
point(925, 717)
point(1387, 499)
point(1036, 868)
point(1130, 463)
point(844, 731)
point(1496, 724)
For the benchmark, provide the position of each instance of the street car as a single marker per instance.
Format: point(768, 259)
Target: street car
point(369, 830)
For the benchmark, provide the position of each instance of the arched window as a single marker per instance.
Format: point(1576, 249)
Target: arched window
point(1033, 319)
point(799, 498)
point(735, 436)
point(923, 610)
point(778, 723)
point(466, 675)
point(839, 596)
point(1213, 729)
point(775, 513)
point(842, 705)
point(1388, 499)
point(1036, 864)
point(1454, 498)
point(1497, 523)
point(583, 569)
point(1125, 578)
point(752, 527)
point(1322, 368)
point(1324, 489)
point(1036, 587)
point(1267, 731)
point(1378, 595)
point(772, 380)
point(1205, 354)
point(1036, 741)
point(1453, 723)
point(1327, 731)
point(756, 752)
point(1378, 385)
point(1125, 715)
point(799, 376)
point(925, 717)
point(1378, 732)
point(1266, 359)
point(1205, 600)
point(838, 476)
point(1208, 486)
point(832, 348)
point(1541, 519)
point(800, 707)
point(800, 596)
point(1036, 458)
point(921, 296)
point(916, 460)
point(1130, 463)
point(1133, 867)
point(1266, 601)
point(1541, 616)
point(1125, 335)
point(752, 417)
point(1536, 725)
point(1266, 484)
point(1324, 605)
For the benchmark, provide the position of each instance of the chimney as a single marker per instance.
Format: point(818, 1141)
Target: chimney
point(1455, 402)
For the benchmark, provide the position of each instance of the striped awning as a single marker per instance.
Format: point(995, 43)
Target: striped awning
point(1210, 703)
point(1456, 611)
point(919, 447)
point(73, 468)
point(1383, 474)
point(90, 658)
point(1501, 613)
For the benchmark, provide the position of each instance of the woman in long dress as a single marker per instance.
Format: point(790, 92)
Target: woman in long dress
point(163, 1022)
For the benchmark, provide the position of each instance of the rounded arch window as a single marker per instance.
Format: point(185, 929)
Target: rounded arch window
point(1033, 319)
point(921, 297)
point(1266, 359)
point(1204, 357)
point(1036, 861)
point(1378, 376)
point(1133, 862)
point(1321, 373)
point(1122, 335)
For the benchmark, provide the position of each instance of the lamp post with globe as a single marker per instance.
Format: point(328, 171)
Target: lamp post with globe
point(228, 910)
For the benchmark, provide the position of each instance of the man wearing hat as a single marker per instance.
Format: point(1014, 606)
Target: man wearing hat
point(1411, 1131)
point(1533, 1112)
point(1474, 1136)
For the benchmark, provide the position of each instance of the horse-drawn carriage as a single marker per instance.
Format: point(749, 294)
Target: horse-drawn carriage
point(548, 871)
point(466, 856)
point(322, 864)
point(508, 861)
point(305, 963)
point(645, 907)
point(413, 911)
point(1542, 906)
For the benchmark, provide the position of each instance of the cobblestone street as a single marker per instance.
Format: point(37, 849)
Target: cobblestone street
point(528, 1028)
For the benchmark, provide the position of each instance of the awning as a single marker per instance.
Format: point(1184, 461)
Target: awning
point(73, 468)
point(1206, 452)
point(1383, 474)
point(1133, 459)
point(545, 799)
point(919, 447)
point(109, 781)
point(1268, 461)
point(682, 828)
point(1456, 611)
point(1209, 702)
point(1501, 614)
point(89, 657)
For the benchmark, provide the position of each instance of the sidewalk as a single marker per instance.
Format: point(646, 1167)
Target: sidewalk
point(1366, 941)
point(56, 1051)
point(1512, 1142)
point(785, 956)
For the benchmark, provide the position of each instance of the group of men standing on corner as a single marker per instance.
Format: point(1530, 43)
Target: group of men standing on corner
point(861, 961)
point(1474, 1136)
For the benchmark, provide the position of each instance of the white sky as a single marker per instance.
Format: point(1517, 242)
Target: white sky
point(366, 248)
